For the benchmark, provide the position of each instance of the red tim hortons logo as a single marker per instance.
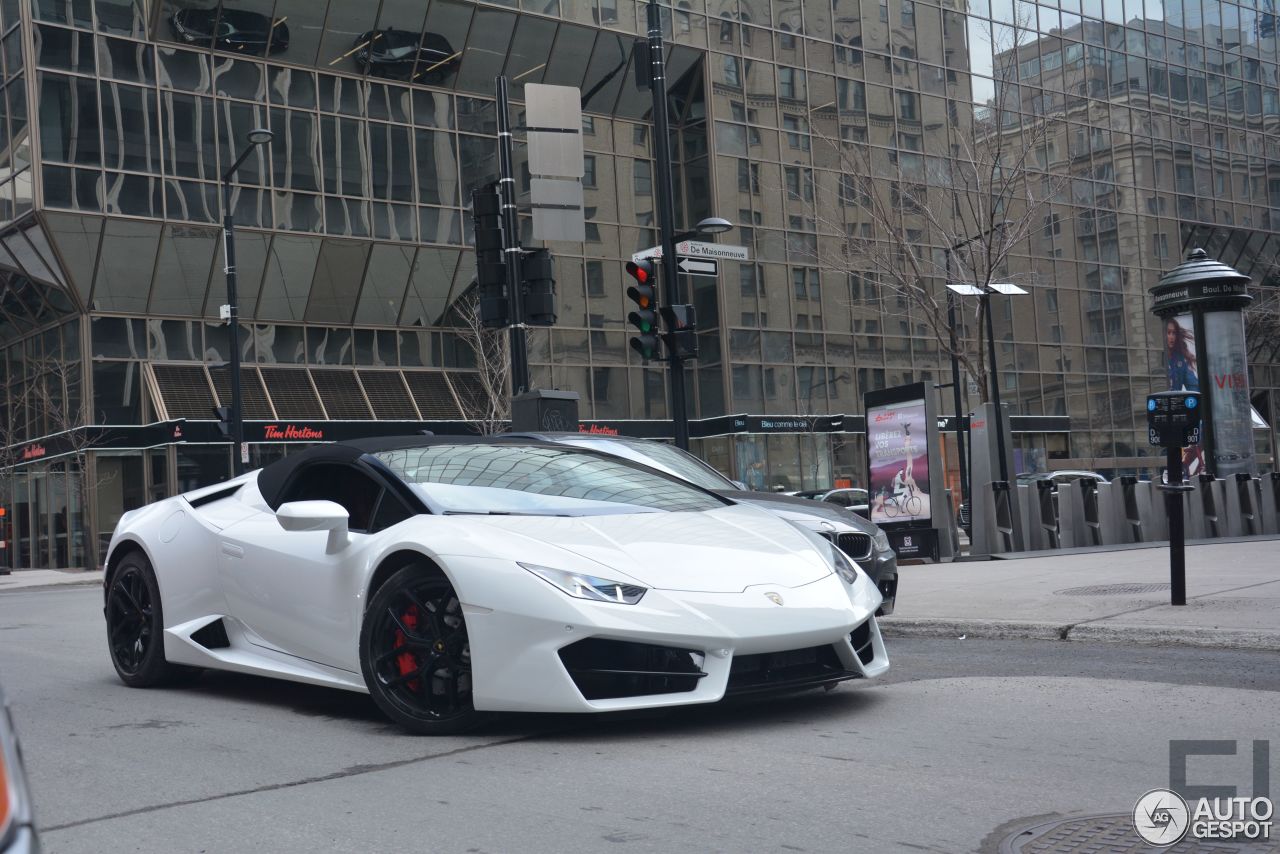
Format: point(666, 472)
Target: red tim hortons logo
point(291, 432)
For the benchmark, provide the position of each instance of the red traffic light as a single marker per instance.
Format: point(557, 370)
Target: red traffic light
point(642, 271)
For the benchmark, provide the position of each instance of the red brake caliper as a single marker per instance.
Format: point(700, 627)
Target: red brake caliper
point(406, 661)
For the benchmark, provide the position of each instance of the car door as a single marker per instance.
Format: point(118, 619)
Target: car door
point(285, 587)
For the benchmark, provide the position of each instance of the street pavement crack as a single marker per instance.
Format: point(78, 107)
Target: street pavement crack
point(1069, 627)
point(354, 771)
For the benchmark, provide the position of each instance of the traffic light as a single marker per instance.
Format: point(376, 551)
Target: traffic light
point(645, 318)
point(681, 336)
point(491, 268)
point(223, 414)
point(538, 288)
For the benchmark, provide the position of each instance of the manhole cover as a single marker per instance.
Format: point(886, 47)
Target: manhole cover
point(1112, 589)
point(1113, 834)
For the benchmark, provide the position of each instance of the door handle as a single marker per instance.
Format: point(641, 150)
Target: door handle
point(231, 550)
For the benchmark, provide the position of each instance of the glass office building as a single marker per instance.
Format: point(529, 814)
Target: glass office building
point(121, 116)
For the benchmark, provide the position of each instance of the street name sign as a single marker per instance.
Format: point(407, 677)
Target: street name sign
point(698, 249)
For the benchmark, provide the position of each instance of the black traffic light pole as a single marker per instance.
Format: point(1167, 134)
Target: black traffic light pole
point(666, 212)
point(511, 242)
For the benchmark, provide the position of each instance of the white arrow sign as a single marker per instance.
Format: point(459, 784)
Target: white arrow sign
point(695, 267)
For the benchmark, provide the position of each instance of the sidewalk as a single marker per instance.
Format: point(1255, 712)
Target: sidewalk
point(28, 579)
point(1233, 597)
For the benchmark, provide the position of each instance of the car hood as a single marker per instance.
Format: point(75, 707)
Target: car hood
point(715, 551)
point(788, 506)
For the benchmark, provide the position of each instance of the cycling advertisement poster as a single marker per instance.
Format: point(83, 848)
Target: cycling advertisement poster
point(898, 462)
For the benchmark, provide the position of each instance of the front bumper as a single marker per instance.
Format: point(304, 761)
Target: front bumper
point(518, 631)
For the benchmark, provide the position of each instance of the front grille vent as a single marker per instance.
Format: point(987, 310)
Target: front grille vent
point(861, 640)
point(607, 669)
point(856, 546)
point(790, 670)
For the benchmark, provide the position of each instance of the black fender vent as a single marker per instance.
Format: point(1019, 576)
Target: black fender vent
point(607, 669)
point(212, 636)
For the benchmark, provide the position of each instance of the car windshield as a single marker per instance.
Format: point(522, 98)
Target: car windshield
point(536, 480)
point(666, 457)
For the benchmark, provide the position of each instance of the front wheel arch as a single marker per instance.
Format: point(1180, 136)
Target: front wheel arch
point(396, 561)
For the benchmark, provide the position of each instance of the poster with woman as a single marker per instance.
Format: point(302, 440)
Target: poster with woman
point(1183, 375)
point(897, 448)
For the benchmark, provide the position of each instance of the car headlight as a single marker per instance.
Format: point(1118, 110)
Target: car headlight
point(881, 541)
point(843, 565)
point(592, 587)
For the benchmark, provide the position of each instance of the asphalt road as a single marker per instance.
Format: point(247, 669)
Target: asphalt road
point(964, 742)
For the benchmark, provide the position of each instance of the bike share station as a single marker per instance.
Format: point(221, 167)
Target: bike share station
point(1200, 302)
point(904, 473)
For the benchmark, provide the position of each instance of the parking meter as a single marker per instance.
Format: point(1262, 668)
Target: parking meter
point(1173, 422)
point(1173, 419)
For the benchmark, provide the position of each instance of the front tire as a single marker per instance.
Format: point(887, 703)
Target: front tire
point(415, 654)
point(135, 625)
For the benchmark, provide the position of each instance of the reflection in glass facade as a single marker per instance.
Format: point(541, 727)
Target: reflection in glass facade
point(118, 118)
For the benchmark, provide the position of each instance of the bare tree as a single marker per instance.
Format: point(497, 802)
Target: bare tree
point(485, 398)
point(1262, 326)
point(901, 224)
point(56, 400)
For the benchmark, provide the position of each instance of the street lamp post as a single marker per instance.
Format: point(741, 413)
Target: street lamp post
point(256, 137)
point(955, 385)
point(984, 294)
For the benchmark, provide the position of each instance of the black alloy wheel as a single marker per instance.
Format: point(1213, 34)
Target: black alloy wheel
point(415, 654)
point(135, 625)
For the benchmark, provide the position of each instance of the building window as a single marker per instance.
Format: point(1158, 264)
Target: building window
point(588, 170)
point(908, 13)
point(1160, 244)
point(908, 106)
point(595, 278)
point(797, 136)
point(643, 178)
point(787, 82)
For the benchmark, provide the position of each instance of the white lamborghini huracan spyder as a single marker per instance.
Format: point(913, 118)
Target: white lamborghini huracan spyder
point(447, 578)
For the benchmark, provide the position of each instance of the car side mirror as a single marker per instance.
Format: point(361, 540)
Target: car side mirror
point(316, 516)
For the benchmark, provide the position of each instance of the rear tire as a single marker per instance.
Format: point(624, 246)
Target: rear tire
point(415, 654)
point(135, 626)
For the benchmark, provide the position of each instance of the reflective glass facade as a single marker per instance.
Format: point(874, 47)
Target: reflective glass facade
point(120, 116)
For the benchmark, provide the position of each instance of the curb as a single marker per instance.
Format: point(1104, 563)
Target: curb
point(1194, 637)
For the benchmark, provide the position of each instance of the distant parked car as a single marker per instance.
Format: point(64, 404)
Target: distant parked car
point(396, 53)
point(17, 828)
point(854, 535)
point(230, 29)
point(853, 498)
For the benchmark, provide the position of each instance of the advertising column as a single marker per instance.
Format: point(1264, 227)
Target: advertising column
point(1200, 303)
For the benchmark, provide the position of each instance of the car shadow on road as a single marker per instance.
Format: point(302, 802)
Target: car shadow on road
point(730, 716)
point(312, 701)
